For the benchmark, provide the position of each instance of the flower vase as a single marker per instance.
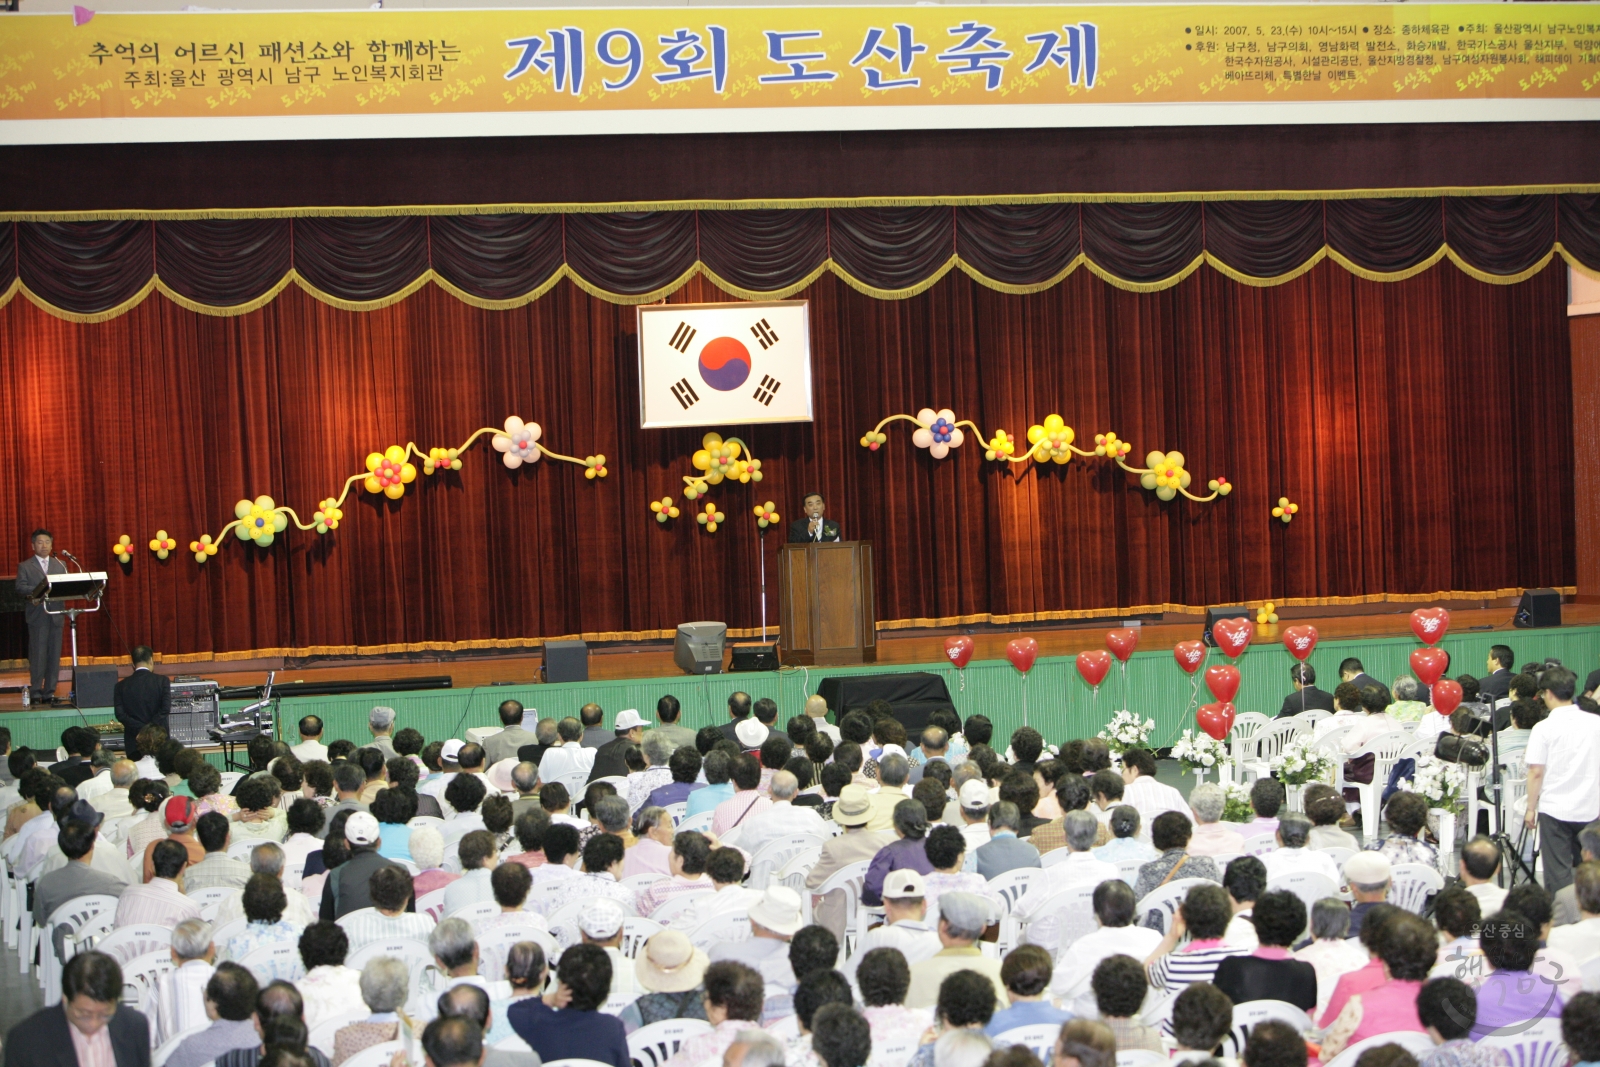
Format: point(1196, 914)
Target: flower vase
point(1294, 797)
point(1442, 823)
point(1224, 773)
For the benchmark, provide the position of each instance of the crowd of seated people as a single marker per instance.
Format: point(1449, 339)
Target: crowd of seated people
point(515, 864)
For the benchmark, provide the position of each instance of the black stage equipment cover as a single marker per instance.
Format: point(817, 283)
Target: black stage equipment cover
point(913, 695)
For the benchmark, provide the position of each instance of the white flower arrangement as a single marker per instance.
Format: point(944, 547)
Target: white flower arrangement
point(1299, 763)
point(1439, 783)
point(1237, 808)
point(1126, 730)
point(1199, 752)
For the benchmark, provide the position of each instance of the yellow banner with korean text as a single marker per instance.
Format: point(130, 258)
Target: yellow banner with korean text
point(648, 69)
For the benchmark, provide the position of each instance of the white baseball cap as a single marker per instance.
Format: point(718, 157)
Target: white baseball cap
point(452, 750)
point(628, 718)
point(361, 828)
point(974, 796)
point(601, 918)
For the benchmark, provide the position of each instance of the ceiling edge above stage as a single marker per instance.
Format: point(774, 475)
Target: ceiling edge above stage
point(772, 631)
point(384, 211)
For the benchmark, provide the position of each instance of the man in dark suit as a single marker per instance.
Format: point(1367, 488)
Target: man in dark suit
point(80, 743)
point(44, 629)
point(144, 698)
point(738, 712)
point(1353, 672)
point(90, 1018)
point(610, 759)
point(813, 527)
point(1496, 685)
point(1306, 695)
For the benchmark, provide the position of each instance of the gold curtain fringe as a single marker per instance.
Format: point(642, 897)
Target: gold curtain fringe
point(565, 271)
point(772, 631)
point(787, 203)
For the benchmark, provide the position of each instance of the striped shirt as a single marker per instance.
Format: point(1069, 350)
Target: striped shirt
point(656, 894)
point(1195, 962)
point(364, 927)
point(158, 901)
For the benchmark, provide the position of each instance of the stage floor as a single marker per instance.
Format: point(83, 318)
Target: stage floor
point(653, 659)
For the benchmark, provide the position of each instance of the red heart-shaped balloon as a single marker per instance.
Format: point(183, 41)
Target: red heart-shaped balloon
point(1122, 642)
point(1232, 635)
point(1215, 719)
point(1430, 624)
point(959, 649)
point(1093, 665)
point(1022, 652)
point(1446, 696)
point(1429, 664)
point(1189, 654)
point(1223, 681)
point(1300, 640)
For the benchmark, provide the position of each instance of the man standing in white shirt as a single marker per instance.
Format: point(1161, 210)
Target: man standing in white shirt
point(782, 818)
point(1563, 788)
point(569, 756)
point(310, 746)
point(1293, 857)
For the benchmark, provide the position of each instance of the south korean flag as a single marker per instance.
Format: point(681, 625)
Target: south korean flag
point(724, 364)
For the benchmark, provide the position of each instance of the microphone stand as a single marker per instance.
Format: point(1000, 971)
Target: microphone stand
point(72, 621)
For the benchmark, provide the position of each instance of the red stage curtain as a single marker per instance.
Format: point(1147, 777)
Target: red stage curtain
point(1423, 426)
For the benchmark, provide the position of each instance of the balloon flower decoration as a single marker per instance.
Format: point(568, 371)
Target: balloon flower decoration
point(664, 509)
point(716, 461)
point(123, 549)
point(1285, 509)
point(388, 473)
point(162, 545)
point(1051, 440)
point(1267, 614)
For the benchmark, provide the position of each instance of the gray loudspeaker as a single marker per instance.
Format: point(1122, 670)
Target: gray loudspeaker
point(94, 687)
point(698, 649)
point(566, 661)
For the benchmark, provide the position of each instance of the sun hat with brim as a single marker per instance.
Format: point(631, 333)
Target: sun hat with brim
point(750, 733)
point(670, 964)
point(778, 910)
point(854, 806)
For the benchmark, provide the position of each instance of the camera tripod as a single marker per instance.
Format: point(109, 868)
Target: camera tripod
point(1511, 851)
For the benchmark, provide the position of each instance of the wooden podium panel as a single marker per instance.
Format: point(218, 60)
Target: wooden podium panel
point(826, 609)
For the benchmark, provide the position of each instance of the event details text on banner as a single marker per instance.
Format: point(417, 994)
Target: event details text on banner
point(677, 69)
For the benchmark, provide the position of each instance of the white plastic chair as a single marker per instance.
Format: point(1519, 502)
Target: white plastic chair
point(729, 926)
point(575, 783)
point(637, 882)
point(431, 904)
point(496, 943)
point(1140, 1057)
point(229, 780)
point(1412, 884)
point(794, 872)
point(677, 810)
point(1262, 747)
point(1591, 975)
point(512, 1044)
point(1259, 845)
point(1248, 1014)
point(73, 916)
point(775, 853)
point(411, 951)
point(849, 879)
point(163, 1053)
point(1412, 1041)
point(1156, 910)
point(1339, 854)
point(1386, 750)
point(1013, 885)
point(545, 897)
point(675, 906)
point(635, 932)
point(1309, 886)
point(141, 974)
point(571, 1062)
point(699, 823)
point(426, 820)
point(322, 1035)
point(1245, 726)
point(1073, 909)
point(1039, 1039)
point(211, 899)
point(240, 850)
point(376, 1056)
point(1128, 871)
point(270, 962)
point(1530, 1045)
point(228, 931)
point(474, 913)
point(129, 942)
point(654, 1045)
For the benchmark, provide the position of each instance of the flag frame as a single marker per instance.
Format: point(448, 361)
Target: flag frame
point(647, 380)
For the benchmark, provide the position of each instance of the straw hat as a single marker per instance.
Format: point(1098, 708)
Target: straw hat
point(854, 806)
point(670, 964)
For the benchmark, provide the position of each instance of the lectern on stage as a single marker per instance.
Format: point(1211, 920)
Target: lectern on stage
point(827, 615)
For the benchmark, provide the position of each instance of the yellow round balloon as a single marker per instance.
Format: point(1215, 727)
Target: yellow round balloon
point(1175, 458)
point(1155, 459)
point(1035, 433)
point(373, 459)
point(713, 477)
point(711, 440)
point(1053, 422)
point(1062, 457)
point(701, 460)
point(395, 491)
point(372, 485)
point(394, 454)
point(408, 472)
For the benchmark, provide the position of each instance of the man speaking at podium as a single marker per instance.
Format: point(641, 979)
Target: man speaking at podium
point(44, 629)
point(813, 527)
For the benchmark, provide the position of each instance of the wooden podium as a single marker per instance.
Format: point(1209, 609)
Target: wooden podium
point(826, 611)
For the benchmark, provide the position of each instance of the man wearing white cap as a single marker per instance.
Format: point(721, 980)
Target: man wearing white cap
point(905, 927)
point(1368, 875)
point(610, 759)
point(346, 889)
point(381, 722)
point(773, 921)
point(568, 756)
point(450, 766)
point(852, 811)
point(600, 923)
point(962, 918)
point(972, 798)
point(782, 818)
point(750, 734)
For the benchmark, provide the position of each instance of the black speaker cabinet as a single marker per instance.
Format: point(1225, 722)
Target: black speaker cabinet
point(95, 687)
point(566, 661)
point(1538, 607)
point(755, 657)
point(1213, 614)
